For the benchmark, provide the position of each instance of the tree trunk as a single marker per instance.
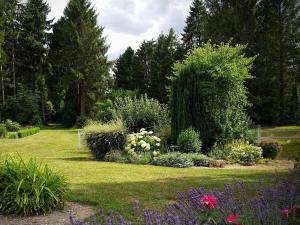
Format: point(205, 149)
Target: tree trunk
point(2, 86)
point(281, 72)
point(82, 99)
point(13, 71)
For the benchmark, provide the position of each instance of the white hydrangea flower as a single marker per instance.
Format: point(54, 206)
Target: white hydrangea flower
point(143, 129)
point(157, 144)
point(150, 132)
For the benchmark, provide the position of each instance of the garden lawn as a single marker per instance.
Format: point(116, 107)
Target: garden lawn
point(291, 146)
point(112, 185)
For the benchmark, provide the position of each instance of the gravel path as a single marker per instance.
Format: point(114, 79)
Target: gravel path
point(55, 218)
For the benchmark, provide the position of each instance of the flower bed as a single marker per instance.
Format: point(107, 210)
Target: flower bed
point(273, 204)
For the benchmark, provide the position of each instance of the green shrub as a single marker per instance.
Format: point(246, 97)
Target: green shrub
point(244, 153)
point(220, 152)
point(101, 138)
point(209, 93)
point(105, 111)
point(199, 159)
point(3, 131)
point(142, 146)
point(28, 188)
point(81, 121)
point(113, 156)
point(28, 132)
point(12, 126)
point(165, 135)
point(24, 108)
point(270, 148)
point(12, 135)
point(173, 159)
point(142, 112)
point(189, 141)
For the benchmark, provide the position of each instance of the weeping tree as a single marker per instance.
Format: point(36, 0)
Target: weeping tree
point(209, 94)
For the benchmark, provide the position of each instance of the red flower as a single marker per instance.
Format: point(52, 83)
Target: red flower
point(285, 212)
point(232, 218)
point(209, 201)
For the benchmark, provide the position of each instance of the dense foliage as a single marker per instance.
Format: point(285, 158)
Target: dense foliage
point(272, 203)
point(270, 148)
point(101, 138)
point(3, 131)
point(209, 93)
point(142, 146)
point(28, 132)
point(142, 112)
point(173, 159)
point(189, 141)
point(29, 188)
point(12, 126)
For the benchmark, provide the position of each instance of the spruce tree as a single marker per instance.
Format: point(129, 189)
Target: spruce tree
point(81, 62)
point(194, 32)
point(124, 70)
point(33, 53)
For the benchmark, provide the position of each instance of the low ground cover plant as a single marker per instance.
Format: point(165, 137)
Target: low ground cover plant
point(29, 188)
point(275, 203)
point(173, 159)
point(101, 138)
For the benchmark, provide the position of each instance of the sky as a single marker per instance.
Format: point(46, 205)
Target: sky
point(129, 22)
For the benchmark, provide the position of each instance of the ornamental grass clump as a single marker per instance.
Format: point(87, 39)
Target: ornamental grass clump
point(29, 188)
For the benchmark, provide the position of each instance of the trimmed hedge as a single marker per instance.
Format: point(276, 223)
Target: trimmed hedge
point(28, 132)
point(101, 138)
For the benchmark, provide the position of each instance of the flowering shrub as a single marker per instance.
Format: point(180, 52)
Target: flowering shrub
point(242, 152)
point(273, 204)
point(142, 145)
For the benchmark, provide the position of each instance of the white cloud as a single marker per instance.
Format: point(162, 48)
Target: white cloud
point(129, 22)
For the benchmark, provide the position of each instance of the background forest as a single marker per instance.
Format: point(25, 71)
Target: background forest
point(60, 71)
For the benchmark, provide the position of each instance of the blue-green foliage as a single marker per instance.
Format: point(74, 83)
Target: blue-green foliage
point(173, 159)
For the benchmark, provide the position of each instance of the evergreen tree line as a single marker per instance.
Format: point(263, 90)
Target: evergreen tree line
point(57, 71)
point(51, 70)
point(271, 31)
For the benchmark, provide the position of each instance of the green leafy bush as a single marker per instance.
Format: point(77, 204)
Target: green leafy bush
point(244, 153)
point(220, 152)
point(142, 112)
point(28, 132)
point(12, 126)
point(113, 156)
point(28, 188)
point(165, 135)
point(173, 159)
point(12, 135)
point(189, 141)
point(200, 159)
point(101, 138)
point(105, 111)
point(270, 148)
point(81, 121)
point(24, 108)
point(3, 131)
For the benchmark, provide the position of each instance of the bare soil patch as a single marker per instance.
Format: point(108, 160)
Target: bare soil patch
point(60, 217)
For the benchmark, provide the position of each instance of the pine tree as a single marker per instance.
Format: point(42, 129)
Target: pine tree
point(82, 63)
point(143, 66)
point(124, 70)
point(164, 57)
point(194, 32)
point(33, 54)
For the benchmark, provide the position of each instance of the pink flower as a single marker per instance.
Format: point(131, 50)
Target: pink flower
point(209, 201)
point(285, 212)
point(232, 218)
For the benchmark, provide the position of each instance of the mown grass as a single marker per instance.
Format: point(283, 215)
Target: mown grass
point(115, 186)
point(291, 146)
